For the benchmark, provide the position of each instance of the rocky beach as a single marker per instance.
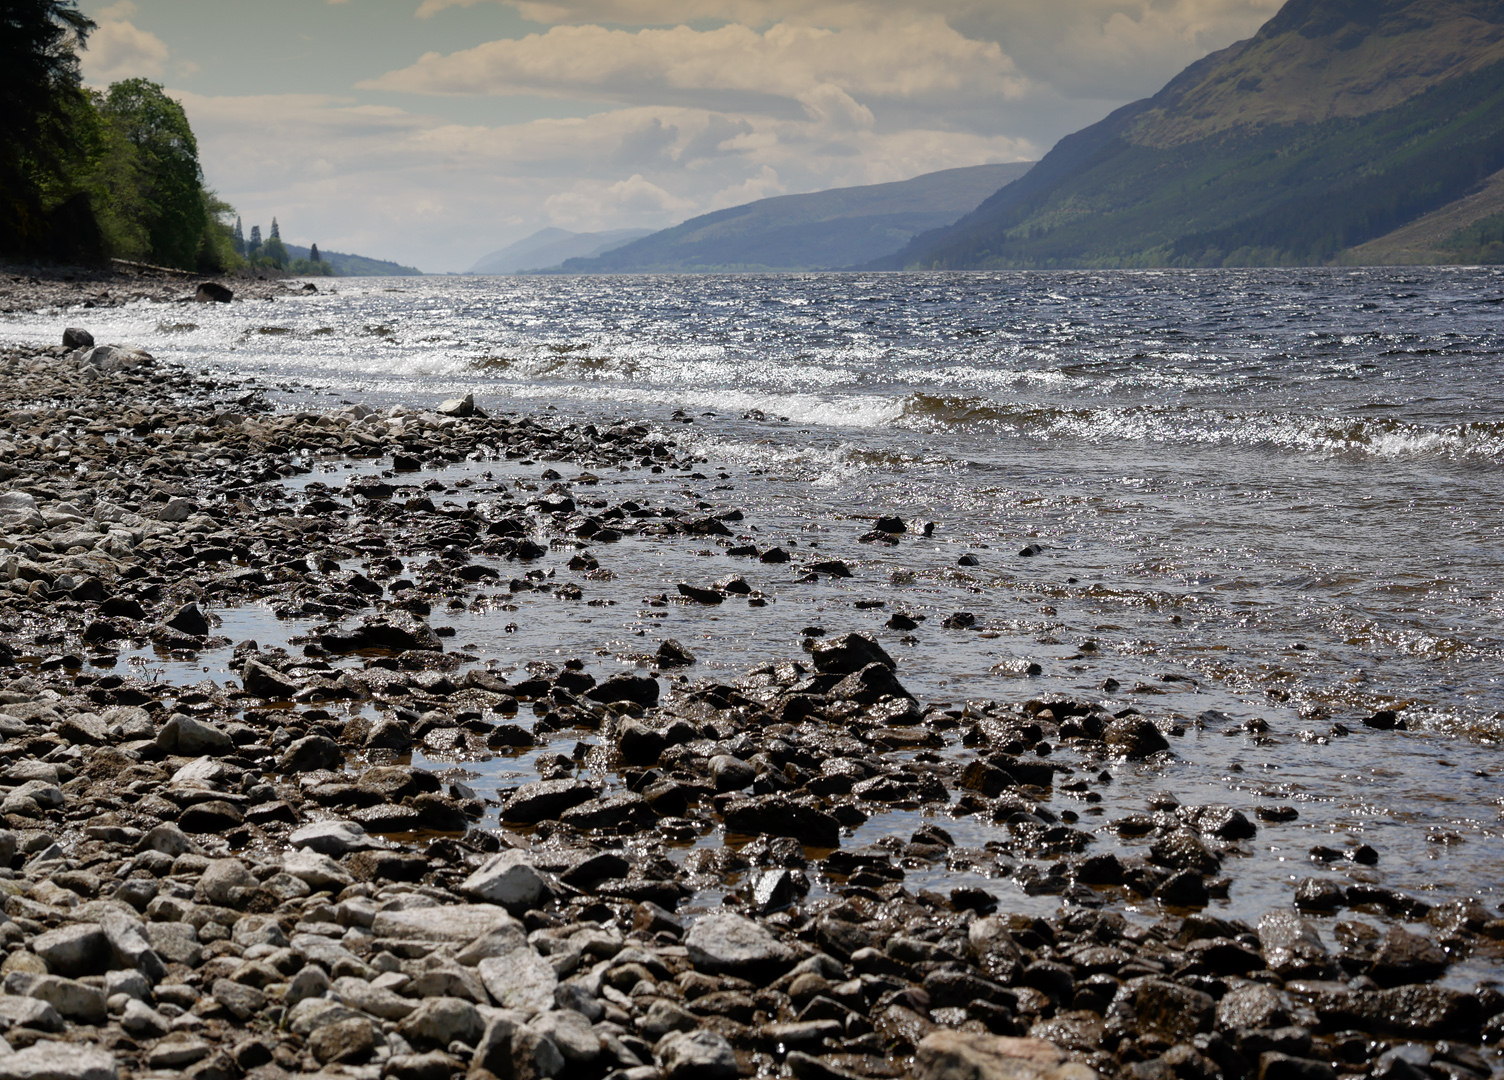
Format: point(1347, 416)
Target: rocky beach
point(290, 871)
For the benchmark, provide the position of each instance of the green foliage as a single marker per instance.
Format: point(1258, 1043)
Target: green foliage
point(1480, 242)
point(39, 102)
point(311, 268)
point(171, 184)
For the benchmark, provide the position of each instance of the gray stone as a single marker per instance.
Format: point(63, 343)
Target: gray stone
point(664, 1016)
point(312, 1013)
point(130, 945)
point(434, 1065)
point(238, 999)
point(310, 983)
point(73, 1000)
point(77, 949)
point(30, 1012)
point(464, 406)
point(459, 924)
point(952, 1055)
point(175, 942)
point(520, 980)
point(726, 944)
point(508, 878)
point(695, 1055)
point(333, 837)
point(319, 871)
point(58, 1061)
point(441, 1021)
point(189, 737)
point(141, 1021)
point(360, 994)
point(169, 840)
point(349, 1041)
point(498, 941)
point(579, 1042)
point(510, 1048)
point(178, 1049)
point(223, 883)
point(309, 753)
point(252, 930)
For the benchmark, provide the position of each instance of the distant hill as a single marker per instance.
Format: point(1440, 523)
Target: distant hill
point(549, 247)
point(357, 265)
point(1340, 123)
point(821, 231)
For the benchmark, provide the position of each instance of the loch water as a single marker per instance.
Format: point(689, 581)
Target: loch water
point(1263, 505)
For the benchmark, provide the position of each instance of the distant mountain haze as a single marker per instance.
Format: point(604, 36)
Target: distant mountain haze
point(825, 230)
point(549, 247)
point(1340, 123)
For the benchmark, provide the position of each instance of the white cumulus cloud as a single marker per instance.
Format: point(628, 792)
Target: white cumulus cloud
point(118, 49)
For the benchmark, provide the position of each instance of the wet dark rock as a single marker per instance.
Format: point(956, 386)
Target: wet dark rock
point(1383, 720)
point(672, 655)
point(77, 338)
point(188, 619)
point(637, 689)
point(397, 632)
point(848, 654)
point(545, 800)
point(309, 753)
point(1319, 895)
point(778, 815)
point(1404, 957)
point(950, 1055)
point(1291, 946)
point(699, 595)
point(212, 292)
point(1134, 737)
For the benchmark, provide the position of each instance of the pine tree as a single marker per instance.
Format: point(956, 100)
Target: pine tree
point(276, 232)
point(255, 245)
point(313, 254)
point(238, 237)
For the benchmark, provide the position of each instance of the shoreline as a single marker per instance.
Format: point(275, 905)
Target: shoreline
point(249, 936)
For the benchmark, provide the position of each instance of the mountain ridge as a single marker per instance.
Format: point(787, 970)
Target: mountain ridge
point(821, 230)
point(1185, 179)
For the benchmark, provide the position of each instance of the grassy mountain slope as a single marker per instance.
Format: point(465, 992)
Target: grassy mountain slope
point(824, 230)
point(1252, 157)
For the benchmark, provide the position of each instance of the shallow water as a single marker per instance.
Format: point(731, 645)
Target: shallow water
point(1274, 494)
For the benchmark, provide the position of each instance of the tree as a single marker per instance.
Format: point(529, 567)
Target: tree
point(40, 99)
point(254, 247)
point(313, 254)
point(239, 237)
point(276, 232)
point(172, 184)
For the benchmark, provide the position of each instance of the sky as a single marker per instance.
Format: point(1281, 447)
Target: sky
point(433, 132)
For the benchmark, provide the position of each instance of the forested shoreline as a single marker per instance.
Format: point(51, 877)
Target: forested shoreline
point(92, 175)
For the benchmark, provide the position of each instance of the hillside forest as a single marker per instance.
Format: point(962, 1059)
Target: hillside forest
point(92, 175)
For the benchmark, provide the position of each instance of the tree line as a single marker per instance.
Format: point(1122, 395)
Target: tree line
point(91, 175)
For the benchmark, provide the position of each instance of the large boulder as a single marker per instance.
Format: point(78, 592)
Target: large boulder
point(727, 944)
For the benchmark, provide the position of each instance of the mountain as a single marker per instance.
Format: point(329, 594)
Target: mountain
point(822, 231)
point(356, 265)
point(1340, 123)
point(550, 247)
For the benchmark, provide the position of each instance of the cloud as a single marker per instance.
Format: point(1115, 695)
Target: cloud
point(118, 50)
point(1091, 48)
point(591, 206)
point(733, 66)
